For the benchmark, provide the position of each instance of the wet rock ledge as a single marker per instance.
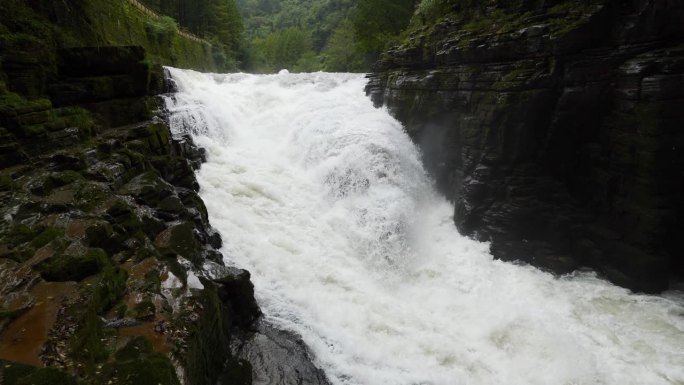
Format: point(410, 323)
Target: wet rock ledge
point(109, 270)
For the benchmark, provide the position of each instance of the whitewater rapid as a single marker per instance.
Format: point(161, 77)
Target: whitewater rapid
point(324, 199)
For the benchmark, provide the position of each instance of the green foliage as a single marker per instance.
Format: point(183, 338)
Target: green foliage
point(283, 49)
point(76, 23)
point(340, 55)
point(215, 20)
point(266, 19)
point(378, 24)
point(163, 30)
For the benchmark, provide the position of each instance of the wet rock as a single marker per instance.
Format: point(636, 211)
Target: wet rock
point(145, 310)
point(121, 323)
point(94, 61)
point(137, 364)
point(547, 131)
point(13, 373)
point(236, 291)
point(278, 357)
point(101, 211)
point(179, 239)
point(65, 267)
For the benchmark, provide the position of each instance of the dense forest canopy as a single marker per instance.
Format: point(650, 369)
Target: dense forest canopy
point(218, 21)
point(310, 35)
point(300, 35)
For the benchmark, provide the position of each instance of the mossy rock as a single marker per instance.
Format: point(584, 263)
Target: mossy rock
point(172, 204)
point(235, 290)
point(152, 226)
point(63, 178)
point(206, 353)
point(46, 236)
point(110, 288)
point(153, 281)
point(91, 194)
point(12, 105)
point(180, 239)
point(47, 376)
point(126, 221)
point(20, 374)
point(147, 188)
point(237, 372)
point(145, 310)
point(19, 234)
point(137, 364)
point(62, 268)
point(88, 345)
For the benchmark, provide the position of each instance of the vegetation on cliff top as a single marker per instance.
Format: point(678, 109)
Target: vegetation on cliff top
point(495, 17)
point(311, 35)
point(43, 25)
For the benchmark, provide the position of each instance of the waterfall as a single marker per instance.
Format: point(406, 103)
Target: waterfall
point(324, 199)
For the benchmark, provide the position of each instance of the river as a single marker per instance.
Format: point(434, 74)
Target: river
point(323, 198)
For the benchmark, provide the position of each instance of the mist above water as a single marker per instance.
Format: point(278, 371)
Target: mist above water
point(324, 199)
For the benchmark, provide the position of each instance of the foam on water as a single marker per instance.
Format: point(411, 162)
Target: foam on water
point(324, 199)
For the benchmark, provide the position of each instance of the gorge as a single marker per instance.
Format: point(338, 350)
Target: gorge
point(325, 200)
point(499, 201)
point(555, 127)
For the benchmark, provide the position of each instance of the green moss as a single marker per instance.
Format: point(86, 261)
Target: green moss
point(120, 23)
point(47, 376)
point(73, 117)
point(62, 268)
point(88, 344)
point(145, 310)
point(120, 310)
point(46, 236)
point(206, 353)
point(110, 288)
point(492, 20)
point(14, 373)
point(91, 194)
point(19, 234)
point(153, 281)
point(63, 178)
point(102, 22)
point(12, 104)
point(137, 364)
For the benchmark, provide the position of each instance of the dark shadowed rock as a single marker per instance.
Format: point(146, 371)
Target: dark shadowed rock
point(279, 357)
point(555, 130)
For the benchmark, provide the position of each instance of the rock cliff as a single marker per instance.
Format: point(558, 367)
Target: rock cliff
point(556, 128)
point(109, 269)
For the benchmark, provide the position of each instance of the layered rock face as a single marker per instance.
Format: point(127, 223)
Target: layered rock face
point(109, 269)
point(110, 272)
point(556, 128)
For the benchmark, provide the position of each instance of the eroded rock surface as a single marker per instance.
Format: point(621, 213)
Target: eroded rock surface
point(110, 272)
point(556, 129)
point(279, 357)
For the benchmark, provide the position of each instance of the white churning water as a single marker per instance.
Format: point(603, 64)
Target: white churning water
point(324, 199)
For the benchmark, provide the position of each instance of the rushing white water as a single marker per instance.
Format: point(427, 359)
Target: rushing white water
point(323, 198)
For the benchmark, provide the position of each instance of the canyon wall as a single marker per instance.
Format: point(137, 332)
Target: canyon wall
point(556, 128)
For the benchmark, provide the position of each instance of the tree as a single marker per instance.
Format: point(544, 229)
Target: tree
point(282, 49)
point(378, 23)
point(341, 54)
point(225, 24)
